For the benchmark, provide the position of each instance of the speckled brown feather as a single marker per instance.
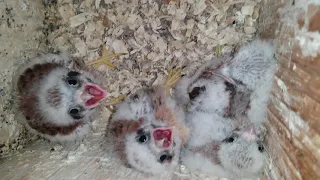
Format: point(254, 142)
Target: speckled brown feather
point(54, 97)
point(231, 89)
point(33, 76)
point(28, 87)
point(35, 119)
point(120, 128)
point(239, 103)
point(209, 150)
point(164, 113)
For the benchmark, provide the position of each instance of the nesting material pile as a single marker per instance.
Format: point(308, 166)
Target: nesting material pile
point(153, 35)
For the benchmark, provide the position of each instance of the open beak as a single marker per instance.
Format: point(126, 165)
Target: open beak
point(92, 95)
point(163, 137)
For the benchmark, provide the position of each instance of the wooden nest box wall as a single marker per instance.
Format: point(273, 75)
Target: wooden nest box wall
point(293, 125)
point(294, 111)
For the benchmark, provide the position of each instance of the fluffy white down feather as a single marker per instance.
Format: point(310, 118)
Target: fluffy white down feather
point(143, 157)
point(254, 66)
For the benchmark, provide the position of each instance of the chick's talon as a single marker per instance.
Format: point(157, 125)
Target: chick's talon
point(105, 60)
point(219, 50)
point(116, 100)
point(173, 77)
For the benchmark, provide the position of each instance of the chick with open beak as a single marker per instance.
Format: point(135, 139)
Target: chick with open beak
point(149, 131)
point(56, 102)
point(162, 138)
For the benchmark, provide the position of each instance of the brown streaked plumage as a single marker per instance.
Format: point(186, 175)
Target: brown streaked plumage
point(54, 97)
point(152, 145)
point(122, 127)
point(57, 102)
point(209, 151)
point(119, 129)
point(29, 100)
point(33, 75)
point(164, 113)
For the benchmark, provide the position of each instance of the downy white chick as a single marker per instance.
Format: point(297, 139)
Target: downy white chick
point(210, 92)
point(221, 102)
point(56, 102)
point(183, 90)
point(222, 146)
point(149, 131)
point(210, 122)
point(208, 99)
point(215, 146)
point(241, 155)
point(253, 67)
point(248, 77)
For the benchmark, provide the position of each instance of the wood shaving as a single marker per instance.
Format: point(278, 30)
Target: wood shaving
point(155, 35)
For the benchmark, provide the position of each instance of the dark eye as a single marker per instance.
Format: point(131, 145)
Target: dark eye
point(73, 74)
point(143, 139)
point(163, 158)
point(135, 97)
point(75, 113)
point(72, 81)
point(230, 139)
point(196, 91)
point(89, 80)
point(260, 148)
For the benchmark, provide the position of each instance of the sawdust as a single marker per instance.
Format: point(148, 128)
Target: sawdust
point(152, 36)
point(21, 32)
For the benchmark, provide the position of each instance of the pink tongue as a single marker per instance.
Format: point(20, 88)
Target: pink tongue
point(162, 134)
point(166, 144)
point(97, 93)
point(166, 134)
point(91, 102)
point(94, 91)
